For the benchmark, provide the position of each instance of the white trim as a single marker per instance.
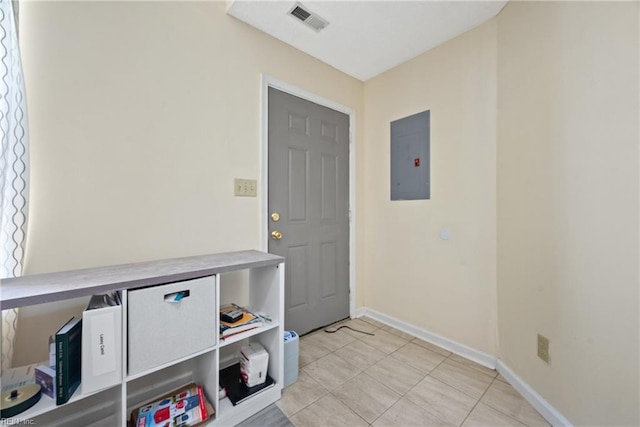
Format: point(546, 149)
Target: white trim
point(472, 354)
point(267, 82)
point(545, 409)
point(359, 312)
point(551, 414)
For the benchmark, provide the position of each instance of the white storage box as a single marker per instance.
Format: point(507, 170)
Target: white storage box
point(101, 348)
point(168, 322)
point(254, 362)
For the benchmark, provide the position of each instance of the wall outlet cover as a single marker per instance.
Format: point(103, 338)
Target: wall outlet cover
point(543, 348)
point(245, 187)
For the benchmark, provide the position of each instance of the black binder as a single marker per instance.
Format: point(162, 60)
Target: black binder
point(237, 390)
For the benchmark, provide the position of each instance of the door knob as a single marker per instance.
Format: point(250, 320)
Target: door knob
point(275, 217)
point(276, 235)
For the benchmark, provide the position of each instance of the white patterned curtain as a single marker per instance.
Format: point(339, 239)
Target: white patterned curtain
point(14, 172)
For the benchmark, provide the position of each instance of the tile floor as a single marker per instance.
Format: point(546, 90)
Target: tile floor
point(393, 379)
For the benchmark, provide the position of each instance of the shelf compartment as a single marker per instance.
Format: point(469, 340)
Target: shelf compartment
point(273, 341)
point(169, 364)
point(232, 415)
point(199, 369)
point(248, 334)
point(102, 403)
point(196, 369)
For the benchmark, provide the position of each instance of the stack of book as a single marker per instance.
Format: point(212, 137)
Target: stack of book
point(247, 322)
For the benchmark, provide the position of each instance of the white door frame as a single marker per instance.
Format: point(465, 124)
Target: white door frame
point(267, 82)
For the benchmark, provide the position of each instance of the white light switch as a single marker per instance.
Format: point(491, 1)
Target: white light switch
point(245, 187)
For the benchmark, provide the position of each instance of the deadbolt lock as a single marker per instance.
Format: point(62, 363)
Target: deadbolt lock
point(275, 217)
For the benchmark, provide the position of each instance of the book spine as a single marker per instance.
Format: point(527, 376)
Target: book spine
point(74, 359)
point(230, 332)
point(203, 407)
point(62, 369)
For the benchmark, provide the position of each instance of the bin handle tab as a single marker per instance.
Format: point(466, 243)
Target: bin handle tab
point(176, 296)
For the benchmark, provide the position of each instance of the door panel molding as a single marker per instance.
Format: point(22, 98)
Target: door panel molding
point(266, 83)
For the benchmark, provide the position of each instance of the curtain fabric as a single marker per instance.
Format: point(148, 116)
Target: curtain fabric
point(14, 172)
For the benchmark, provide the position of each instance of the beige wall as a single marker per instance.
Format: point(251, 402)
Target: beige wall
point(141, 116)
point(143, 113)
point(568, 204)
point(446, 287)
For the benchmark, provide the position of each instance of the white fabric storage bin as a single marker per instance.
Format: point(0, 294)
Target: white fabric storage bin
point(171, 321)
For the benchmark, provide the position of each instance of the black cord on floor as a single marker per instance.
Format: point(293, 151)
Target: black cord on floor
point(348, 327)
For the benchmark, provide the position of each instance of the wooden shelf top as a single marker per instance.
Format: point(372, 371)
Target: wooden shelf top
point(50, 287)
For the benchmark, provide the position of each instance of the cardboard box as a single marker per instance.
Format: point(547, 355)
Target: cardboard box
point(46, 377)
point(185, 406)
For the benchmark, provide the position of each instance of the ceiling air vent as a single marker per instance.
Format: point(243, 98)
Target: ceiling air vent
point(303, 14)
point(300, 13)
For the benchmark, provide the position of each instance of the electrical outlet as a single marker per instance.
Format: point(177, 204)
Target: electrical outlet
point(543, 348)
point(245, 187)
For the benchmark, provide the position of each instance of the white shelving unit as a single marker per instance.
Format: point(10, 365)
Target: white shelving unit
point(264, 293)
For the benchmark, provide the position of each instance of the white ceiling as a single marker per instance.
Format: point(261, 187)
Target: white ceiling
point(366, 38)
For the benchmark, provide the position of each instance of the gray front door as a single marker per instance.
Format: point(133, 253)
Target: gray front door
point(309, 191)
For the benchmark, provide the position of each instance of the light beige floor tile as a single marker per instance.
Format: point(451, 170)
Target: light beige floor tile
point(360, 354)
point(432, 347)
point(372, 321)
point(356, 325)
point(501, 378)
point(366, 397)
point(300, 394)
point(484, 416)
point(441, 400)
point(462, 377)
point(331, 371)
point(396, 375)
point(405, 413)
point(418, 357)
point(506, 399)
point(473, 365)
point(332, 341)
point(310, 350)
point(384, 341)
point(397, 332)
point(327, 412)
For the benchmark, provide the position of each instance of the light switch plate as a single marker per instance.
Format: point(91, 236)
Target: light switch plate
point(245, 187)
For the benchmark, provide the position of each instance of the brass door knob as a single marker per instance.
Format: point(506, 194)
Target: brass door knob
point(276, 235)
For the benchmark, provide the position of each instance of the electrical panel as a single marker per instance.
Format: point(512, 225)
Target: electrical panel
point(410, 157)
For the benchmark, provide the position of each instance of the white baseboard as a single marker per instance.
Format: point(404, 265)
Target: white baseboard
point(545, 409)
point(552, 416)
point(359, 312)
point(479, 357)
